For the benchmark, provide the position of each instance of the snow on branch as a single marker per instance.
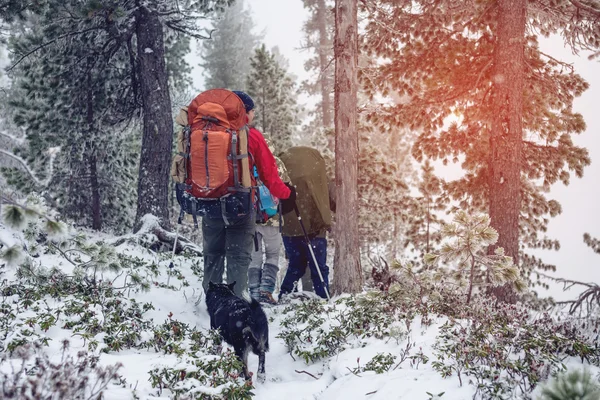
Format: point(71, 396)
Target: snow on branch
point(52, 152)
point(15, 139)
point(150, 226)
point(589, 8)
point(48, 43)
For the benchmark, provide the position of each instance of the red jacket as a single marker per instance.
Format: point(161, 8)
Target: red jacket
point(266, 165)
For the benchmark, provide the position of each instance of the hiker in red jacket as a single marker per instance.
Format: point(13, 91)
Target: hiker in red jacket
point(235, 241)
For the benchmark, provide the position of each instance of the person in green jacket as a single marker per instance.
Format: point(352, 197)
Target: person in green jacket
point(306, 169)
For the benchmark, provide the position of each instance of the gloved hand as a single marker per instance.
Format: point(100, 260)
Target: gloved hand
point(287, 205)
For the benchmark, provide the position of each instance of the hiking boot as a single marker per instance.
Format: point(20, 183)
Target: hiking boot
point(266, 297)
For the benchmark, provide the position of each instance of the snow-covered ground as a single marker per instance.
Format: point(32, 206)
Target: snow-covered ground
point(288, 377)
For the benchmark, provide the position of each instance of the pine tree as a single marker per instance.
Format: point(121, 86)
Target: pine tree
point(318, 31)
point(68, 106)
point(157, 136)
point(425, 223)
point(177, 46)
point(506, 133)
point(468, 237)
point(274, 97)
point(9, 136)
point(134, 30)
point(439, 63)
point(348, 276)
point(226, 56)
point(384, 172)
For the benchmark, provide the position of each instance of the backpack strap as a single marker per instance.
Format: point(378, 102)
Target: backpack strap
point(241, 179)
point(234, 158)
point(187, 135)
point(243, 153)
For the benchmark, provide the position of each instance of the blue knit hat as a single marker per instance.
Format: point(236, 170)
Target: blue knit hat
point(247, 100)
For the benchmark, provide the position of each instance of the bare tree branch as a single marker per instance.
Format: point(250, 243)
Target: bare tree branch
point(307, 373)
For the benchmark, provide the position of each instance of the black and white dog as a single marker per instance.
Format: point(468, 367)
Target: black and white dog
point(242, 324)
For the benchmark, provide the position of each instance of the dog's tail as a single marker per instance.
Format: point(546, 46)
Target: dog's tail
point(257, 335)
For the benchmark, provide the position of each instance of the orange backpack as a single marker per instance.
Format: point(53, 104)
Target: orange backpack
point(213, 154)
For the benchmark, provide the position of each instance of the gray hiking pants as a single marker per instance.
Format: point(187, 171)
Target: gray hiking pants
point(263, 276)
point(234, 242)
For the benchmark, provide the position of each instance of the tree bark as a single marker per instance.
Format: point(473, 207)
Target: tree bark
point(96, 206)
point(96, 200)
point(153, 181)
point(347, 277)
point(428, 224)
point(506, 137)
point(324, 62)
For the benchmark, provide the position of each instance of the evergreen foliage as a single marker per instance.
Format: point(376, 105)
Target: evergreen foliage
point(438, 63)
point(424, 225)
point(383, 174)
point(468, 239)
point(177, 46)
point(68, 378)
point(572, 385)
point(592, 242)
point(76, 106)
point(318, 39)
point(83, 81)
point(226, 56)
point(274, 95)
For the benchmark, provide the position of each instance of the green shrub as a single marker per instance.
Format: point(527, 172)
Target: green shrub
point(505, 351)
point(69, 379)
point(572, 385)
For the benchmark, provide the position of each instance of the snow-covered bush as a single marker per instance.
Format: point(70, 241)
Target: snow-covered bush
point(572, 385)
point(89, 292)
point(43, 298)
point(204, 371)
point(39, 377)
point(314, 330)
point(505, 350)
point(466, 241)
point(382, 362)
point(106, 318)
point(23, 225)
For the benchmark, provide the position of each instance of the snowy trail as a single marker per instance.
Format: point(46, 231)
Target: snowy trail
point(330, 378)
point(335, 380)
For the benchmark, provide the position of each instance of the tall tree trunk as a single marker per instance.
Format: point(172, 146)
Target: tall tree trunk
point(428, 224)
point(347, 277)
point(96, 204)
point(153, 181)
point(91, 157)
point(324, 62)
point(263, 111)
point(393, 252)
point(506, 139)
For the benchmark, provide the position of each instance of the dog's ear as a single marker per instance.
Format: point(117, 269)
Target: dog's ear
point(211, 285)
point(231, 285)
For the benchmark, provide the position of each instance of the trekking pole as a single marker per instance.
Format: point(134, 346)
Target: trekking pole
point(171, 265)
point(312, 253)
